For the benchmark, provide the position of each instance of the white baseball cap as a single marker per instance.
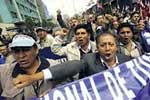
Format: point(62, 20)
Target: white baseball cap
point(22, 40)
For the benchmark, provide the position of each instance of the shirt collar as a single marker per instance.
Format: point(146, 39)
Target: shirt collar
point(18, 70)
point(88, 49)
point(132, 43)
point(109, 67)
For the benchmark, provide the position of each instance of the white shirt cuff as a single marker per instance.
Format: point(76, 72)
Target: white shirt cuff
point(47, 74)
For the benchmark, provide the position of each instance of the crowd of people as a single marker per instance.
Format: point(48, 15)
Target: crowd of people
point(35, 62)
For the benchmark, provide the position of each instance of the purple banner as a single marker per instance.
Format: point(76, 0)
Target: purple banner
point(128, 81)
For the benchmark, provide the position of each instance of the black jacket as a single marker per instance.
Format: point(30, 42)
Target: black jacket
point(90, 64)
point(93, 64)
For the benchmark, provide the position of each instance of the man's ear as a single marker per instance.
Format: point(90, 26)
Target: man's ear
point(37, 50)
point(96, 45)
point(89, 36)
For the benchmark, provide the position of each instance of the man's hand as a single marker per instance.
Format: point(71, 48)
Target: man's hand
point(22, 81)
point(58, 12)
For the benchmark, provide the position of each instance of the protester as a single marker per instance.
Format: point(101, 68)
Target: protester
point(135, 17)
point(76, 50)
point(61, 35)
point(106, 58)
point(114, 27)
point(103, 23)
point(126, 45)
point(92, 25)
point(72, 23)
point(45, 40)
point(73, 40)
point(25, 51)
point(60, 19)
point(5, 54)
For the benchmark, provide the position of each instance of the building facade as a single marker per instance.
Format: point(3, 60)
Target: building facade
point(12, 11)
point(43, 10)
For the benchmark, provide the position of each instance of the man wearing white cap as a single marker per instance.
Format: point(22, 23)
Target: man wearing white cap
point(25, 51)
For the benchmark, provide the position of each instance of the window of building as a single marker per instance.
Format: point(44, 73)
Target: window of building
point(22, 7)
point(22, 16)
point(25, 9)
point(18, 5)
point(13, 14)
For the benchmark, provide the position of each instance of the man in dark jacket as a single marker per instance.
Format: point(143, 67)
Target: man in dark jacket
point(105, 58)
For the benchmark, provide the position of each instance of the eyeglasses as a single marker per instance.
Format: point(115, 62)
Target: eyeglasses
point(19, 49)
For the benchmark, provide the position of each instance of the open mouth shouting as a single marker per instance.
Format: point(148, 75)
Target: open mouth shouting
point(80, 41)
point(107, 55)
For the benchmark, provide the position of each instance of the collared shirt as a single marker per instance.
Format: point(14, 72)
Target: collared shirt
point(83, 52)
point(87, 50)
point(134, 50)
point(109, 67)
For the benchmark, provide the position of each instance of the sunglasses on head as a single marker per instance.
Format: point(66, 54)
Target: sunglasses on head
point(19, 49)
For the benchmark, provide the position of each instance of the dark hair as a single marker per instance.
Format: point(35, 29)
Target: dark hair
point(122, 25)
point(84, 26)
point(103, 34)
point(134, 13)
point(4, 40)
point(1, 30)
point(98, 15)
point(35, 45)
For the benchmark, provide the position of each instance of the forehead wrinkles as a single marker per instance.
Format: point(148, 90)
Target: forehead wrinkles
point(107, 38)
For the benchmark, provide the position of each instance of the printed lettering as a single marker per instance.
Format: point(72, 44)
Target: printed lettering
point(141, 69)
point(58, 95)
point(95, 89)
point(130, 94)
point(109, 80)
point(75, 92)
point(69, 93)
point(131, 66)
point(84, 90)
